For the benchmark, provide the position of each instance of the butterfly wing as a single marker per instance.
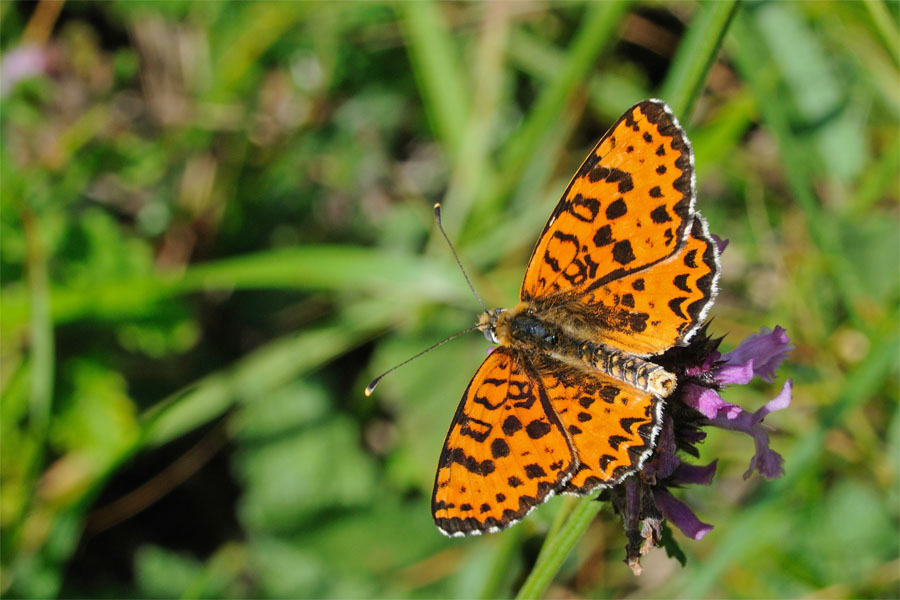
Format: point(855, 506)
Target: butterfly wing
point(629, 210)
point(612, 425)
point(650, 311)
point(506, 451)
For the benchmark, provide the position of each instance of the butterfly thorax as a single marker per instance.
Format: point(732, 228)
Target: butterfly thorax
point(527, 330)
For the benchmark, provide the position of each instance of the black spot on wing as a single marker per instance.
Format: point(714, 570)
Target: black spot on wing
point(622, 252)
point(608, 393)
point(612, 175)
point(584, 209)
point(616, 440)
point(471, 464)
point(680, 282)
point(616, 209)
point(603, 236)
point(537, 429)
point(511, 425)
point(659, 214)
point(675, 305)
point(628, 422)
point(690, 259)
point(499, 448)
point(534, 471)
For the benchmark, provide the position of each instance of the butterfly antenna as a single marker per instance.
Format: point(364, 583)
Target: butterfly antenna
point(437, 217)
point(371, 387)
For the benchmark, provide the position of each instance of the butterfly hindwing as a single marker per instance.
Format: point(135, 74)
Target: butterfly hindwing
point(505, 452)
point(652, 310)
point(612, 425)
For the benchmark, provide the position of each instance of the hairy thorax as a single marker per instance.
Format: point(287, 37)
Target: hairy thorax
point(529, 330)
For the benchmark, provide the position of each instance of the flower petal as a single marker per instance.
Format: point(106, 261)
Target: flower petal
point(686, 473)
point(735, 374)
point(779, 402)
point(720, 243)
point(766, 461)
point(767, 349)
point(680, 515)
point(20, 62)
point(708, 402)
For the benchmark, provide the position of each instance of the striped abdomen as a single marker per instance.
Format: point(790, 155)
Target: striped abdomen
point(530, 332)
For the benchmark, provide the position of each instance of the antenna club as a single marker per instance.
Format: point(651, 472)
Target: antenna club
point(371, 387)
point(437, 211)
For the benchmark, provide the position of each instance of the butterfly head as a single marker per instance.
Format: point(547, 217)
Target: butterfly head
point(487, 324)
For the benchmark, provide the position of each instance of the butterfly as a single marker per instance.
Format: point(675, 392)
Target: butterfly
point(570, 399)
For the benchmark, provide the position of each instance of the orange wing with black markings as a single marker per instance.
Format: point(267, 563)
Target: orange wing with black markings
point(624, 249)
point(505, 453)
point(628, 207)
point(612, 425)
point(650, 311)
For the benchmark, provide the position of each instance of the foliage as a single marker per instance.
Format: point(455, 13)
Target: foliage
point(215, 228)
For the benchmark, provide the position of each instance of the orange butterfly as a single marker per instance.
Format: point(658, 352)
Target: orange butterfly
point(569, 400)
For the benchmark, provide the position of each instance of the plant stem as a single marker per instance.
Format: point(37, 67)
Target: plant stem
point(557, 547)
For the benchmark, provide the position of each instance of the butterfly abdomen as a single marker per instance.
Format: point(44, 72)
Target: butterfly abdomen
point(524, 330)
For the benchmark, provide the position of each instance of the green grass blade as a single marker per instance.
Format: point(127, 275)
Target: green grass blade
point(557, 548)
point(473, 164)
point(41, 330)
point(268, 368)
point(886, 25)
point(760, 73)
point(595, 34)
point(696, 54)
point(610, 92)
point(310, 268)
point(437, 70)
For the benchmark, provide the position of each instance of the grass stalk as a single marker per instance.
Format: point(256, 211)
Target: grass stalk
point(558, 547)
point(696, 55)
point(437, 70)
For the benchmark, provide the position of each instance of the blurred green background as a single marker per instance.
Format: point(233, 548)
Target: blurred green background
point(216, 228)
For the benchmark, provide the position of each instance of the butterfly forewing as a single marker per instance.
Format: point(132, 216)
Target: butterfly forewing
point(505, 453)
point(628, 207)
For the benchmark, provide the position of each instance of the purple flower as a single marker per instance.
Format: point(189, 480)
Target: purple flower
point(646, 501)
point(678, 512)
point(766, 461)
point(19, 63)
point(762, 353)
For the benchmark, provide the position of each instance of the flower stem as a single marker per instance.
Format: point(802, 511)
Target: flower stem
point(557, 547)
